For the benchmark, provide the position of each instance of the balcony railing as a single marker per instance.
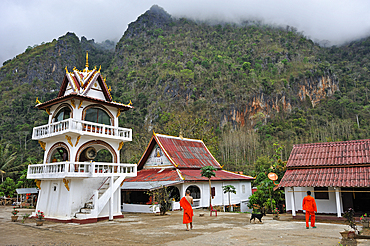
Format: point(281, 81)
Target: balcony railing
point(82, 127)
point(80, 169)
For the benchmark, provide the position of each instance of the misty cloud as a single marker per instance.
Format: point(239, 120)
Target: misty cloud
point(26, 23)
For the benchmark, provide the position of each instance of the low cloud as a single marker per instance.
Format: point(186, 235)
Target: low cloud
point(26, 23)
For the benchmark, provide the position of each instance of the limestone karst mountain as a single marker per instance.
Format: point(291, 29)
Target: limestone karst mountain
point(240, 88)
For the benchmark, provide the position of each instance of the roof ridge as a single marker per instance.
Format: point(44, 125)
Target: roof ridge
point(349, 142)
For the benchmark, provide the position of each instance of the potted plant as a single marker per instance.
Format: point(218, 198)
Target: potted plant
point(276, 214)
point(26, 216)
point(364, 220)
point(14, 214)
point(350, 216)
point(39, 218)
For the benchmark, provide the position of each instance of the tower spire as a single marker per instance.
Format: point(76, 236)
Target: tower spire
point(87, 60)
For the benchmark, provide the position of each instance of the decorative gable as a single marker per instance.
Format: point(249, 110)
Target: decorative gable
point(157, 159)
point(85, 83)
point(180, 152)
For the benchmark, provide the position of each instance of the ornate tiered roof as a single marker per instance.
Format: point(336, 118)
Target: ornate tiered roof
point(82, 85)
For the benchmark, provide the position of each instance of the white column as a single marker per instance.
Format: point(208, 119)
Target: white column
point(292, 201)
point(111, 198)
point(337, 201)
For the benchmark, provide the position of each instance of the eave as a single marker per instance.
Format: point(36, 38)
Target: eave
point(74, 95)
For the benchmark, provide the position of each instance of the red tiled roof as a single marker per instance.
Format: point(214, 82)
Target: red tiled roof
point(155, 174)
point(330, 154)
point(182, 153)
point(195, 175)
point(327, 177)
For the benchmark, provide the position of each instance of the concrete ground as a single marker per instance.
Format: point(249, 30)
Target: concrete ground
point(149, 229)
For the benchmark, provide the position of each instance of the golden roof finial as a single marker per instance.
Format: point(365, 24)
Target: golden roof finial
point(37, 100)
point(180, 135)
point(105, 79)
point(130, 103)
point(99, 69)
point(87, 60)
point(66, 69)
point(109, 89)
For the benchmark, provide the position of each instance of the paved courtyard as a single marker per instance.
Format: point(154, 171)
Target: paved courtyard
point(149, 229)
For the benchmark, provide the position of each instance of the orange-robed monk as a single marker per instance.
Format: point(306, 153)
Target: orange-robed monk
point(309, 205)
point(185, 203)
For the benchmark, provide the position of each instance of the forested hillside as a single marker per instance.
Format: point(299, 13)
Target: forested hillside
point(239, 87)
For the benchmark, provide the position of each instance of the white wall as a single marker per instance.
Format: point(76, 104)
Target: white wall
point(323, 205)
point(220, 198)
point(63, 204)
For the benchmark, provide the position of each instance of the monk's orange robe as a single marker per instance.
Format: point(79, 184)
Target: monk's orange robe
point(188, 211)
point(309, 205)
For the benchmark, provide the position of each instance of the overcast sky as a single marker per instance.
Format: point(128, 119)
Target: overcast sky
point(28, 22)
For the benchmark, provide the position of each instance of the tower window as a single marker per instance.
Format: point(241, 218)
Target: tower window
point(97, 115)
point(63, 114)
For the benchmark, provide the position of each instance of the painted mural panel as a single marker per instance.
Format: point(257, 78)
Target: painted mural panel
point(157, 159)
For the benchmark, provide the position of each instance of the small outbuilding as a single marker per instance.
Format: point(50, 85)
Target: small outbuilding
point(26, 196)
point(176, 162)
point(337, 174)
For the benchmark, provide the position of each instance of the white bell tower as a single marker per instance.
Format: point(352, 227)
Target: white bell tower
point(81, 174)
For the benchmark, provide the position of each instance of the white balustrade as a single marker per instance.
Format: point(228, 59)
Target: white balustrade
point(80, 169)
point(82, 127)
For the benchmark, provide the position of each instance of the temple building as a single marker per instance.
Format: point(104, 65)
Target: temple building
point(81, 174)
point(336, 173)
point(176, 162)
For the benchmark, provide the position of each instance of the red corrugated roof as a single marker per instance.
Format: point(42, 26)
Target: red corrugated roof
point(186, 153)
point(327, 177)
point(330, 154)
point(195, 175)
point(170, 174)
point(155, 174)
point(182, 153)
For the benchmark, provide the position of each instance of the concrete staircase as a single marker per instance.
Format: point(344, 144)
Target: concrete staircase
point(97, 202)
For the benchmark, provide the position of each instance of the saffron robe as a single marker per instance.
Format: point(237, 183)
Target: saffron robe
point(188, 211)
point(309, 204)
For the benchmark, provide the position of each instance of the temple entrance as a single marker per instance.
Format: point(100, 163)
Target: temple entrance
point(356, 198)
point(174, 193)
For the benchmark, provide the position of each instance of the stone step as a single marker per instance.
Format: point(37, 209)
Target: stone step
point(85, 210)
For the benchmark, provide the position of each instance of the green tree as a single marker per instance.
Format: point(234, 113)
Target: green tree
point(8, 187)
point(229, 189)
point(208, 172)
point(162, 196)
point(7, 163)
point(23, 182)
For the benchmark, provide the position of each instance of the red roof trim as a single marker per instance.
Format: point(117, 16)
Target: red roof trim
point(74, 95)
point(63, 87)
point(104, 87)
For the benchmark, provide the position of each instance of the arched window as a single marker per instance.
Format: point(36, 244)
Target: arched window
point(63, 114)
point(97, 115)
